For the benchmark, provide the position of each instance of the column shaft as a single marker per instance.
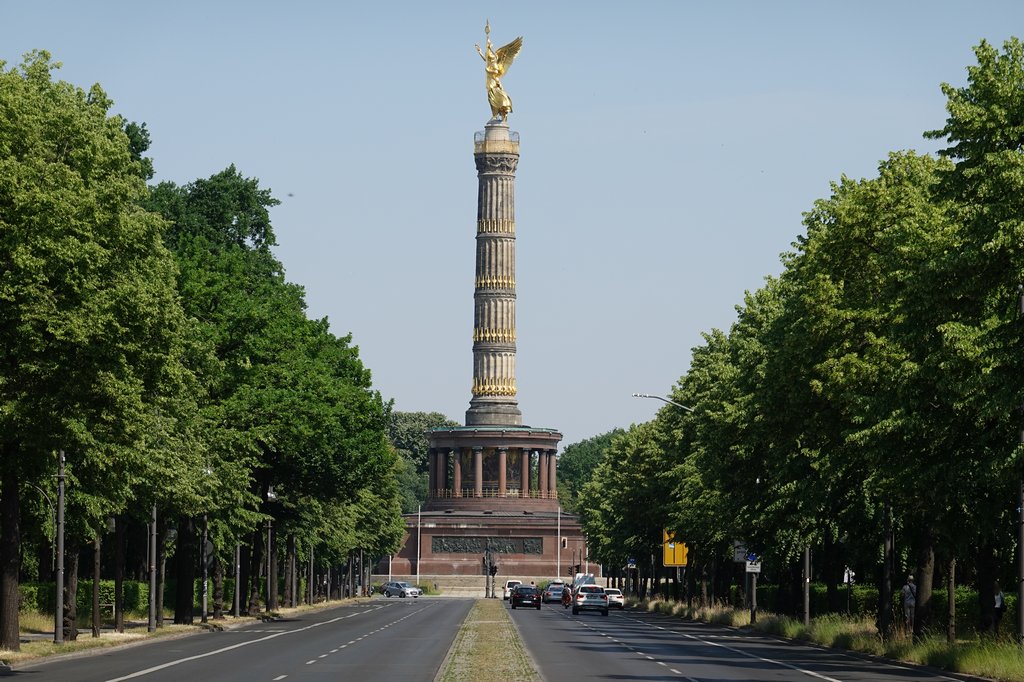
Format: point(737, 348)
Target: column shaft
point(542, 473)
point(478, 472)
point(524, 474)
point(457, 474)
point(502, 470)
point(553, 476)
point(431, 474)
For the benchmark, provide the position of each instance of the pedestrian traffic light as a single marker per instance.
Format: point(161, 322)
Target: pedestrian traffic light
point(494, 569)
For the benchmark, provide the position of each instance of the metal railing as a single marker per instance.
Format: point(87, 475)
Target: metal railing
point(493, 493)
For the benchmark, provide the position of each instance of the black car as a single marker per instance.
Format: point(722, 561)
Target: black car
point(525, 595)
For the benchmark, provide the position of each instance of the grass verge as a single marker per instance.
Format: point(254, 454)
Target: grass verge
point(36, 623)
point(488, 646)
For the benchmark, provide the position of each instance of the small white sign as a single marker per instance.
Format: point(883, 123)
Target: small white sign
point(753, 567)
point(739, 551)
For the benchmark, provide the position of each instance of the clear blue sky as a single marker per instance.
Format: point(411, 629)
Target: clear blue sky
point(668, 152)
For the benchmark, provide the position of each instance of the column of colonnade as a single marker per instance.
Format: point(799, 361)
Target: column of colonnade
point(439, 460)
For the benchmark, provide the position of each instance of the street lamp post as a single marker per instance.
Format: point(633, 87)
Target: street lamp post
point(151, 552)
point(271, 496)
point(58, 630)
point(664, 400)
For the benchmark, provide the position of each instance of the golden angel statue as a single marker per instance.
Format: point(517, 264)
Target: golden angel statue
point(496, 65)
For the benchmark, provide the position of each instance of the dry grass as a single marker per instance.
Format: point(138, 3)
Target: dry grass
point(488, 646)
point(41, 648)
point(999, 660)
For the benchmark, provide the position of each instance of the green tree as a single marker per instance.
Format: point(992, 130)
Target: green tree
point(577, 463)
point(984, 332)
point(288, 403)
point(407, 432)
point(91, 321)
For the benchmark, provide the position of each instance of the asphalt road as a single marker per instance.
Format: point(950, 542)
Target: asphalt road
point(393, 639)
point(637, 645)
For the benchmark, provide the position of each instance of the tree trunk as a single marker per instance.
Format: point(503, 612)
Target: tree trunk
point(218, 588)
point(885, 589)
point(832, 572)
point(161, 567)
point(289, 580)
point(271, 569)
point(255, 566)
point(926, 571)
point(242, 588)
point(704, 586)
point(185, 572)
point(10, 554)
point(986, 587)
point(96, 586)
point(119, 534)
point(71, 553)
point(951, 601)
point(350, 582)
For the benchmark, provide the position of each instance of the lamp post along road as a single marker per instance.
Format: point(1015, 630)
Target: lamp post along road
point(664, 400)
point(58, 630)
point(151, 624)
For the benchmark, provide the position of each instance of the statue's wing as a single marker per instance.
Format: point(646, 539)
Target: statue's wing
point(507, 53)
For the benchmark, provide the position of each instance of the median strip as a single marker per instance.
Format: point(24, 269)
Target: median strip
point(488, 646)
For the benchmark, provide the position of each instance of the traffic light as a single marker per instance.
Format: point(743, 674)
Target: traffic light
point(494, 569)
point(565, 543)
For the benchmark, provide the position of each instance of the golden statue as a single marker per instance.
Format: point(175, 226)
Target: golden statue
point(496, 65)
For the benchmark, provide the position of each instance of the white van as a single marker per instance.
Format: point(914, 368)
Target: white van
point(509, 585)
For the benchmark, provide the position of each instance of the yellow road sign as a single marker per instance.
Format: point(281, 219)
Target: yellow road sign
point(674, 552)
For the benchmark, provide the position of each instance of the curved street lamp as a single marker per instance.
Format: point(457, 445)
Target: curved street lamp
point(664, 400)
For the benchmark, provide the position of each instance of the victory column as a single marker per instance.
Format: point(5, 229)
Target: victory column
point(492, 491)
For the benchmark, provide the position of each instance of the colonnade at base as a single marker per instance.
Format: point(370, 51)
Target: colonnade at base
point(492, 471)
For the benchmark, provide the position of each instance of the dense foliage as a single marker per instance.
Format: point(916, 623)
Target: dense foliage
point(865, 403)
point(151, 335)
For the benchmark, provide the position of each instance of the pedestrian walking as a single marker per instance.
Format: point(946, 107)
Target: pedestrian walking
point(1000, 606)
point(909, 593)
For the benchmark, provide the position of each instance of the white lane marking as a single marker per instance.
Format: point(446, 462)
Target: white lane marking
point(783, 664)
point(310, 662)
point(171, 664)
point(279, 677)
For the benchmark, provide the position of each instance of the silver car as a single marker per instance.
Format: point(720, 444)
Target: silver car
point(400, 589)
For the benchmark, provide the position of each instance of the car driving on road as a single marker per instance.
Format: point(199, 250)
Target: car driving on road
point(525, 595)
point(615, 598)
point(553, 592)
point(590, 598)
point(509, 585)
point(400, 589)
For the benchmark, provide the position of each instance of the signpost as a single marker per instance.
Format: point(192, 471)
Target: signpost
point(753, 568)
point(674, 552)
